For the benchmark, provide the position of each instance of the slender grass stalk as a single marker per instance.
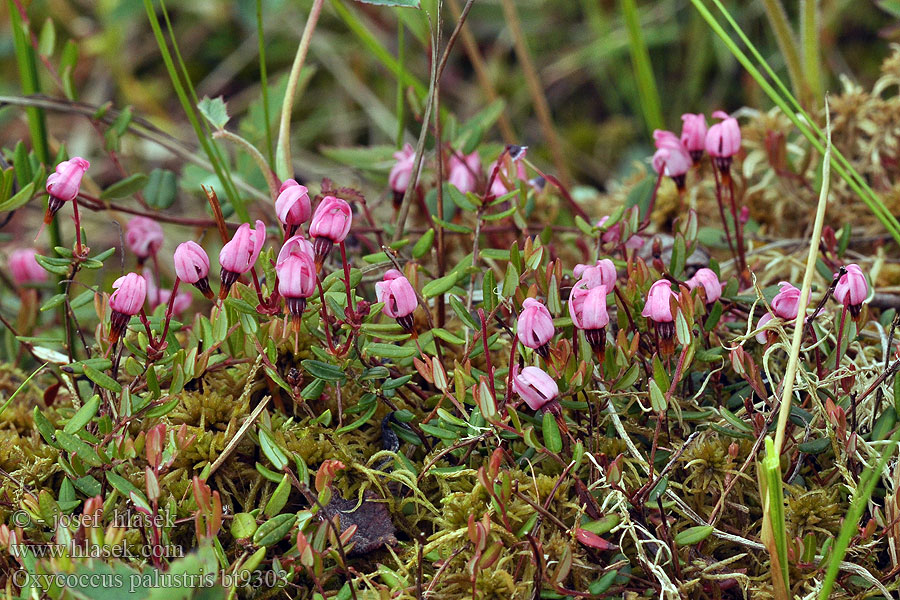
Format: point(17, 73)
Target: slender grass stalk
point(227, 182)
point(810, 20)
point(376, 48)
point(643, 70)
point(774, 534)
point(264, 80)
point(807, 125)
point(800, 118)
point(401, 59)
point(787, 44)
point(283, 164)
point(864, 489)
point(538, 96)
point(256, 155)
point(188, 108)
point(790, 372)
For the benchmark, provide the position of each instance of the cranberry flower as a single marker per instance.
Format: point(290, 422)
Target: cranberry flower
point(785, 305)
point(852, 289)
point(464, 171)
point(64, 184)
point(708, 281)
point(723, 140)
point(192, 266)
point(330, 225)
point(671, 158)
point(24, 267)
point(399, 298)
point(536, 388)
point(613, 235)
point(535, 326)
point(659, 310)
point(402, 171)
point(296, 271)
point(587, 307)
point(292, 205)
point(240, 254)
point(693, 135)
point(144, 237)
point(603, 272)
point(126, 301)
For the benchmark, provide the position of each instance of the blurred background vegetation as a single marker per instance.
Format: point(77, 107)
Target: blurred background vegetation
point(581, 50)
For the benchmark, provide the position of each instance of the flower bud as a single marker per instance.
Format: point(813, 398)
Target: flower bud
point(144, 237)
point(535, 387)
point(671, 158)
point(852, 289)
point(64, 184)
point(693, 135)
point(240, 254)
point(126, 301)
point(24, 267)
point(192, 266)
point(296, 271)
point(786, 302)
point(330, 225)
point(292, 205)
point(587, 307)
point(535, 326)
point(708, 281)
point(723, 140)
point(399, 298)
point(464, 171)
point(402, 171)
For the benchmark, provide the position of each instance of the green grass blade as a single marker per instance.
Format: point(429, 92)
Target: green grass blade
point(806, 125)
point(264, 80)
point(643, 70)
point(774, 489)
point(787, 43)
point(401, 60)
point(812, 53)
point(188, 107)
point(864, 489)
point(20, 388)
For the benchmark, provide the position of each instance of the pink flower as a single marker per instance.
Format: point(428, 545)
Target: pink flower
point(535, 326)
point(614, 233)
point(464, 171)
point(240, 254)
point(603, 272)
point(401, 172)
point(65, 183)
point(762, 337)
point(129, 295)
point(535, 387)
point(723, 140)
point(504, 182)
point(671, 158)
point(709, 281)
point(191, 262)
point(126, 301)
point(144, 237)
point(398, 296)
point(292, 205)
point(693, 134)
point(192, 266)
point(852, 289)
point(181, 303)
point(331, 220)
point(296, 269)
point(294, 244)
point(24, 267)
point(658, 307)
point(786, 302)
point(587, 307)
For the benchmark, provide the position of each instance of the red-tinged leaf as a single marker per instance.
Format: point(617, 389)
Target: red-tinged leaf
point(593, 540)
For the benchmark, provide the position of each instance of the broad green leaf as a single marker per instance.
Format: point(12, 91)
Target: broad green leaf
point(214, 110)
point(161, 189)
